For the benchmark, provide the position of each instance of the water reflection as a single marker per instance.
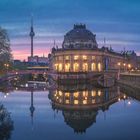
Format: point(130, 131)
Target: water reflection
point(81, 106)
point(6, 124)
point(80, 103)
point(32, 108)
point(25, 83)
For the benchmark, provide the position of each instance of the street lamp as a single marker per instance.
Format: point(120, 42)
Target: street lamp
point(124, 64)
point(6, 66)
point(129, 67)
point(119, 64)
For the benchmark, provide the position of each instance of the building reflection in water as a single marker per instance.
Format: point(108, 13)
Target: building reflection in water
point(80, 103)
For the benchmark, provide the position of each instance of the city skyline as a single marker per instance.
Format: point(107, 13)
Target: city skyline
point(117, 21)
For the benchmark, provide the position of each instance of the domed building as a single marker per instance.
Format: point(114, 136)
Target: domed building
point(80, 38)
point(80, 54)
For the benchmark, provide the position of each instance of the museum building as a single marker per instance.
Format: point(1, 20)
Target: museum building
point(80, 53)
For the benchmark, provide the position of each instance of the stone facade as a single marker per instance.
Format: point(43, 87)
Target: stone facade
point(84, 61)
point(80, 53)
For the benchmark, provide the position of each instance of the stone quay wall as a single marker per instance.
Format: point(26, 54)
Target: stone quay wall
point(130, 79)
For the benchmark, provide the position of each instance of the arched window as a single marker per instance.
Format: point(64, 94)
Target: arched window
point(76, 94)
point(99, 67)
point(60, 67)
point(56, 67)
point(67, 67)
point(76, 67)
point(93, 67)
point(85, 67)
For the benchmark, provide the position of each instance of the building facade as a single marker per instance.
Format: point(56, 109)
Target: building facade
point(80, 53)
point(37, 59)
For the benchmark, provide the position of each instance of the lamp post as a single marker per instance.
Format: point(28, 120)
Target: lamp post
point(119, 65)
point(129, 67)
point(124, 64)
point(6, 67)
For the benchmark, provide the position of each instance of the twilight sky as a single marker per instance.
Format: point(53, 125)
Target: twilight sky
point(116, 20)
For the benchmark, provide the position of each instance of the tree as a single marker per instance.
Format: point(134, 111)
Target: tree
point(6, 124)
point(5, 51)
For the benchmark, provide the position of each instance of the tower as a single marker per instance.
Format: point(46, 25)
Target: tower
point(32, 34)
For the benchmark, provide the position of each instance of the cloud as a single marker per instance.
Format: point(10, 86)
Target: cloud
point(116, 20)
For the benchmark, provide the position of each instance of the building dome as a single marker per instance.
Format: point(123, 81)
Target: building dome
point(79, 37)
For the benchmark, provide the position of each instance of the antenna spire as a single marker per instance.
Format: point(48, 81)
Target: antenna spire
point(32, 34)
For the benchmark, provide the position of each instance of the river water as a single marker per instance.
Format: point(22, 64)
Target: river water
point(68, 112)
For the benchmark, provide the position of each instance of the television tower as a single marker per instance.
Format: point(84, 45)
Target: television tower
point(32, 34)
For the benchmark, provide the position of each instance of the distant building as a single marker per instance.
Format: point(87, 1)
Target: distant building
point(37, 59)
point(132, 57)
point(138, 62)
point(17, 62)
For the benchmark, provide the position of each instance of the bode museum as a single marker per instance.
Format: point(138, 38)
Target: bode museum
point(80, 54)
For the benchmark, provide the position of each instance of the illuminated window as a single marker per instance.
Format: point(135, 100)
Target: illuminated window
point(76, 67)
point(67, 67)
point(85, 67)
point(99, 93)
point(76, 94)
point(93, 93)
point(67, 101)
point(84, 101)
point(67, 94)
point(56, 66)
point(67, 57)
point(60, 93)
point(93, 57)
point(99, 66)
point(76, 57)
point(93, 67)
point(84, 57)
point(76, 102)
point(85, 93)
point(60, 67)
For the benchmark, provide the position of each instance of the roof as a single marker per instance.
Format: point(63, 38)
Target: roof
point(79, 37)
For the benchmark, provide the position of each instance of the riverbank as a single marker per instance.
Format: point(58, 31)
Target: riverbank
point(130, 79)
point(3, 77)
point(129, 84)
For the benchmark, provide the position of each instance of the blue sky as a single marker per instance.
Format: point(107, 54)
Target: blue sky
point(116, 20)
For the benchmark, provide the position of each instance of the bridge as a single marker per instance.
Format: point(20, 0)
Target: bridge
point(12, 74)
point(103, 78)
